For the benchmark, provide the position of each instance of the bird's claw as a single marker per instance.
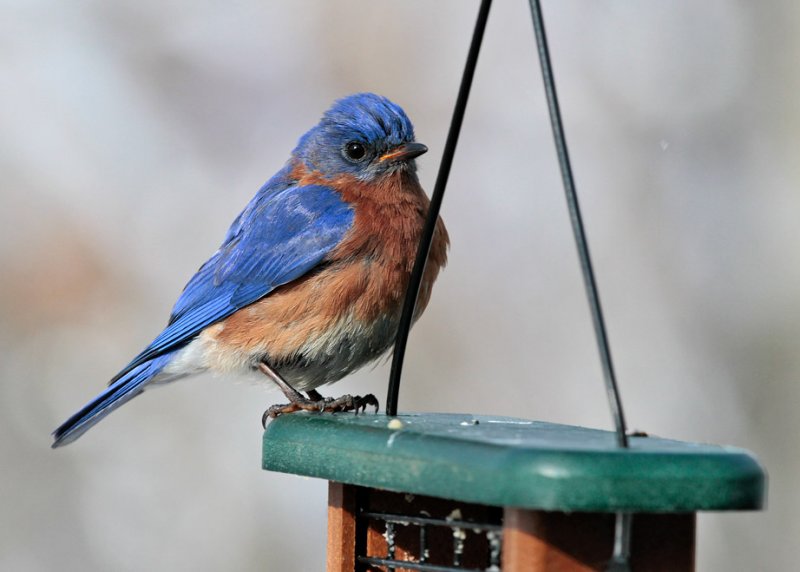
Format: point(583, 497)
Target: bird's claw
point(341, 404)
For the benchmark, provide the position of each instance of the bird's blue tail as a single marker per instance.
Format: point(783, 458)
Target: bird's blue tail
point(118, 393)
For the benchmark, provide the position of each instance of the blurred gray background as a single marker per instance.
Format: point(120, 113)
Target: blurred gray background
point(133, 133)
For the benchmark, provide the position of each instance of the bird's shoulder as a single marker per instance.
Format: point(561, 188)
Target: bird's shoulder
point(285, 230)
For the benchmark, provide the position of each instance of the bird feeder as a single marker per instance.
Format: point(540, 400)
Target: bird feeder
point(447, 492)
point(460, 492)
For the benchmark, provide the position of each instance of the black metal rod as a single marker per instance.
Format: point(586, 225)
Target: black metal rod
point(614, 399)
point(622, 529)
point(412, 293)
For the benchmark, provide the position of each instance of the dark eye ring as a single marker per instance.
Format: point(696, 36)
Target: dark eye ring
point(355, 151)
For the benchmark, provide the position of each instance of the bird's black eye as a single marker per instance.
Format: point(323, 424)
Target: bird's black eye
point(355, 151)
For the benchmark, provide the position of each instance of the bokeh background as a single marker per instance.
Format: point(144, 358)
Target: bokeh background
point(133, 133)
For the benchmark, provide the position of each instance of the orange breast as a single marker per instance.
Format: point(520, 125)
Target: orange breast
point(363, 281)
point(389, 217)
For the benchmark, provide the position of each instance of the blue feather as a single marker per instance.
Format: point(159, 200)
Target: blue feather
point(120, 392)
point(279, 237)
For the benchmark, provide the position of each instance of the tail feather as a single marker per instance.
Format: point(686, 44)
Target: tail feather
point(120, 392)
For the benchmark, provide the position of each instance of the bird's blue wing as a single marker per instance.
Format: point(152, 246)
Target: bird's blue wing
point(279, 237)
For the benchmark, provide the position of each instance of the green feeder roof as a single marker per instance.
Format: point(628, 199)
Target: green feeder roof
point(503, 461)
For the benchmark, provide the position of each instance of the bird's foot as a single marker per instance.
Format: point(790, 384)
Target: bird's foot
point(315, 402)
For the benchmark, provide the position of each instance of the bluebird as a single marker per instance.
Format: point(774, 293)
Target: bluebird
point(309, 281)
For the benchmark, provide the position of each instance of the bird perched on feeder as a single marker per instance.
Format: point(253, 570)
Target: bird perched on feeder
point(309, 281)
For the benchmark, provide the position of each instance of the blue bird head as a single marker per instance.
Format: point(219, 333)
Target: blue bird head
point(364, 135)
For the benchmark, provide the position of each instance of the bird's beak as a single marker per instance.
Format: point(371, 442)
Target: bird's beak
point(404, 152)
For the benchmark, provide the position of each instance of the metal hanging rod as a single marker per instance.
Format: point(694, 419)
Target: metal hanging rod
point(622, 530)
point(614, 399)
point(410, 301)
point(619, 561)
point(612, 390)
point(590, 282)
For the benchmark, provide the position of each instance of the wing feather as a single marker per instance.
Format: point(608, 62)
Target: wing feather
point(278, 238)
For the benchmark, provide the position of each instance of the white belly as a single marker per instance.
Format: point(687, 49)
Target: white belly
point(321, 359)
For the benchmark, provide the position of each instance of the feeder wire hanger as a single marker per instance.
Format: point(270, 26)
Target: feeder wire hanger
point(622, 530)
point(410, 302)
